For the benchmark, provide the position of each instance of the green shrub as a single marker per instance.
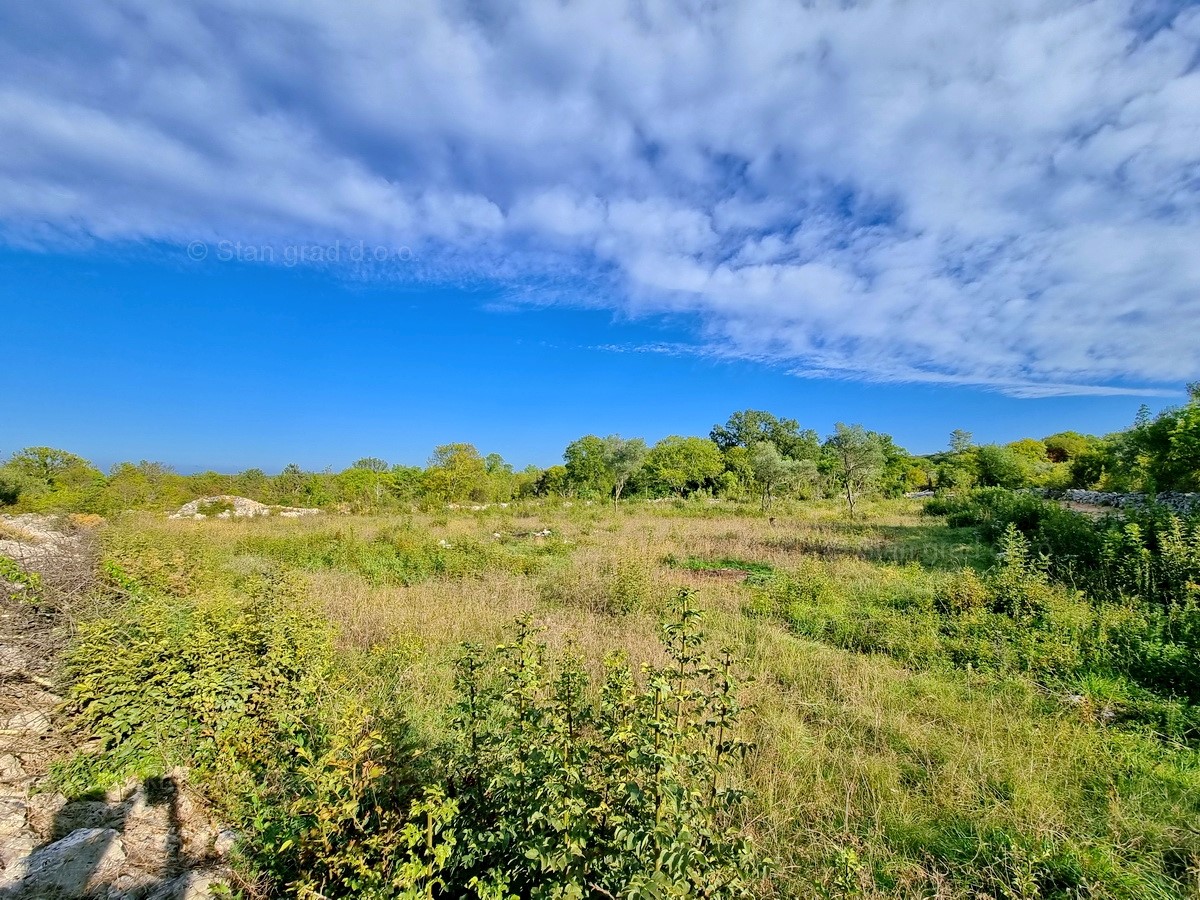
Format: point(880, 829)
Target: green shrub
point(633, 796)
point(964, 592)
point(160, 680)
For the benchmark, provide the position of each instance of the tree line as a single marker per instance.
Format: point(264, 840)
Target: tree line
point(754, 456)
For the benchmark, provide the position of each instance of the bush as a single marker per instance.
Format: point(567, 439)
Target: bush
point(634, 796)
point(162, 681)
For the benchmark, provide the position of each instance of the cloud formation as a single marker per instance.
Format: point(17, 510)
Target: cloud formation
point(998, 194)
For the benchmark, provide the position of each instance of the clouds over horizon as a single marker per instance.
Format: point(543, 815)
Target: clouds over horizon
point(1005, 196)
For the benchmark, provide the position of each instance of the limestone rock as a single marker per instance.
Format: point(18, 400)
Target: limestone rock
point(85, 859)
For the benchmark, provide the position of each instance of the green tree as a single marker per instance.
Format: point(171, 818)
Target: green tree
point(289, 485)
point(858, 459)
point(457, 472)
point(753, 426)
point(961, 440)
point(587, 466)
point(682, 465)
point(775, 473)
point(1067, 445)
point(999, 467)
point(553, 482)
point(371, 464)
point(623, 458)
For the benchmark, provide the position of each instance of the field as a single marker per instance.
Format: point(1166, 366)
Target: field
point(883, 759)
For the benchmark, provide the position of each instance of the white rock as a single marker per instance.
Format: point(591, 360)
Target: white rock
point(27, 722)
point(82, 861)
point(11, 769)
point(189, 886)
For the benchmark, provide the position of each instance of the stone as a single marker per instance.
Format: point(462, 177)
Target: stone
point(81, 862)
point(27, 722)
point(189, 886)
point(11, 770)
point(13, 817)
point(225, 842)
point(149, 834)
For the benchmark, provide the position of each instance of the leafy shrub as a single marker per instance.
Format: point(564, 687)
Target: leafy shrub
point(162, 681)
point(634, 796)
point(965, 592)
point(214, 508)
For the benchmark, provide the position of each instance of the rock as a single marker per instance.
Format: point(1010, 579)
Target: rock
point(232, 507)
point(11, 770)
point(13, 819)
point(151, 839)
point(43, 811)
point(79, 814)
point(1175, 501)
point(189, 886)
point(225, 842)
point(80, 862)
point(27, 722)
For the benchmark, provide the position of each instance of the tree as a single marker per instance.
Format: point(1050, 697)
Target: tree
point(553, 482)
point(289, 484)
point(371, 464)
point(999, 467)
point(683, 465)
point(602, 467)
point(960, 440)
point(858, 459)
point(1066, 445)
point(774, 473)
point(623, 458)
point(753, 426)
point(587, 466)
point(457, 472)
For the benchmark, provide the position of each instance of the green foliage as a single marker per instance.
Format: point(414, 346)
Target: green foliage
point(160, 680)
point(752, 426)
point(17, 584)
point(402, 555)
point(634, 796)
point(682, 465)
point(857, 458)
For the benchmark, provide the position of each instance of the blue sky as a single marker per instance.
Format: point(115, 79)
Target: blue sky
point(231, 365)
point(589, 216)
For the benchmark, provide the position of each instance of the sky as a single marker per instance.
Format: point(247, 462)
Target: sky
point(247, 232)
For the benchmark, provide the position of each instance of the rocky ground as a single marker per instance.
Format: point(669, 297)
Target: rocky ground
point(228, 506)
point(141, 841)
point(1175, 501)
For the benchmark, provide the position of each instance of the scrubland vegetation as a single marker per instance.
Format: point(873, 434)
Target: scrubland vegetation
point(982, 695)
point(754, 455)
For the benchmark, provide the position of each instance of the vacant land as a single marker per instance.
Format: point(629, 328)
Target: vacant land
point(922, 717)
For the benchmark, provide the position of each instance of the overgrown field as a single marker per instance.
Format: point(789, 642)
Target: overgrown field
point(892, 706)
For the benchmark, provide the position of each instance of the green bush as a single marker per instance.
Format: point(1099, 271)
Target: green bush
point(634, 796)
point(161, 681)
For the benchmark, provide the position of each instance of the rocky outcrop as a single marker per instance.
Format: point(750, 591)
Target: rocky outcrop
point(1176, 502)
point(227, 506)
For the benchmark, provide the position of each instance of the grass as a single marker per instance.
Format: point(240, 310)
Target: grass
point(883, 766)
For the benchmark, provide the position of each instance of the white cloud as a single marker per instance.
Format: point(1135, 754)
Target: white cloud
point(1006, 196)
